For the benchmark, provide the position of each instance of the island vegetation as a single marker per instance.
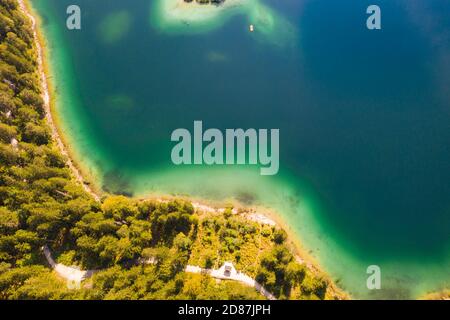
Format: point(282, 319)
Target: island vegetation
point(216, 2)
point(42, 204)
point(439, 295)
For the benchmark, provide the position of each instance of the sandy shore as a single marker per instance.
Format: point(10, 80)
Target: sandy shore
point(45, 85)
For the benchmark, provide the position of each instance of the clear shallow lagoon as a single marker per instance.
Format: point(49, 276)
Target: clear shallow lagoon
point(364, 120)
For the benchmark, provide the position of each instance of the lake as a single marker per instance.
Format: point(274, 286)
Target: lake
point(364, 119)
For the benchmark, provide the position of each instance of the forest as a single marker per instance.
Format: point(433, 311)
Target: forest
point(41, 203)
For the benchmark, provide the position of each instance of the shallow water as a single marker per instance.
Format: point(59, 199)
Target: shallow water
point(364, 120)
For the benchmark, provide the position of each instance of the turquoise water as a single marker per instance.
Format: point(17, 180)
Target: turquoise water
point(364, 120)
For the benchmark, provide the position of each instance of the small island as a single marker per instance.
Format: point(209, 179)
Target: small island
point(173, 13)
point(200, 16)
point(215, 2)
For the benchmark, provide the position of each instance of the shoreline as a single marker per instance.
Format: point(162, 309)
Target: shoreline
point(262, 215)
point(47, 94)
point(89, 181)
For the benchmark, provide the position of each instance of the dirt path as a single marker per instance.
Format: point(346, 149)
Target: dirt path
point(77, 276)
point(46, 96)
point(232, 275)
point(68, 273)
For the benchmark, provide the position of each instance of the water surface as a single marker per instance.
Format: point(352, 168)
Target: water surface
point(364, 120)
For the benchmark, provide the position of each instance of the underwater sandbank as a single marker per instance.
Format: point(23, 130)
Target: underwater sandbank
point(180, 17)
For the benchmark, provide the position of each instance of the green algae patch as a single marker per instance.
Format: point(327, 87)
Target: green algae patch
point(114, 27)
point(119, 102)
